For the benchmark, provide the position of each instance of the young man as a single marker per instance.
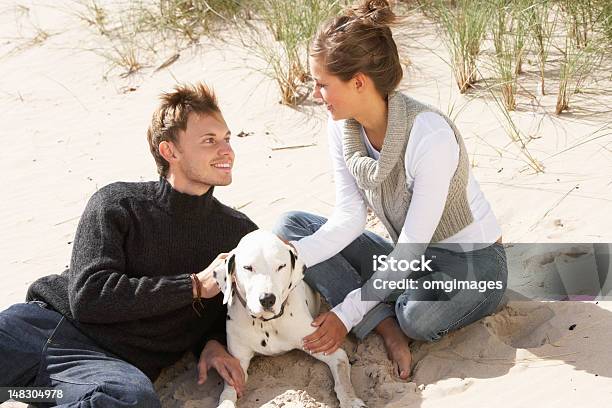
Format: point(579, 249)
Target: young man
point(139, 291)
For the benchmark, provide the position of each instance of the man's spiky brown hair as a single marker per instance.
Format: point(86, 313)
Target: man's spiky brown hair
point(172, 114)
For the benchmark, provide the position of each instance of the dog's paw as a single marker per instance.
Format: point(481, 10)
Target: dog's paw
point(353, 403)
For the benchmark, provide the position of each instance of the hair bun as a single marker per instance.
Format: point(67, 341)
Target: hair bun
point(376, 12)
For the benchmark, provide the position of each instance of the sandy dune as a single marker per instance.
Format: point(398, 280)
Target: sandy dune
point(70, 126)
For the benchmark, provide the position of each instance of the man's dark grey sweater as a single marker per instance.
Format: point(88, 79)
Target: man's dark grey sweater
point(128, 286)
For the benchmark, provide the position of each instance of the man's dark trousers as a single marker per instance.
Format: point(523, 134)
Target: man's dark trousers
point(41, 348)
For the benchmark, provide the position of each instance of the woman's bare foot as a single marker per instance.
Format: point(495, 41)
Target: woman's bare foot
point(397, 345)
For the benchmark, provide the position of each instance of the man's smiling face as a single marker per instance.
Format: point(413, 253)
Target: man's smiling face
point(204, 155)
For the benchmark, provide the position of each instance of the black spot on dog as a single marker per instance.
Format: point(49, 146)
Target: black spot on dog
point(290, 283)
point(275, 331)
point(225, 279)
point(261, 325)
point(228, 317)
point(306, 302)
point(263, 343)
point(293, 257)
point(291, 314)
point(267, 334)
point(215, 274)
point(253, 322)
point(303, 268)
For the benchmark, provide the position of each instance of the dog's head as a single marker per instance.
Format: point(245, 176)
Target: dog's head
point(264, 270)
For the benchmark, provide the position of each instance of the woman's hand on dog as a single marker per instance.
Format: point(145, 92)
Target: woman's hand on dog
point(216, 356)
point(329, 335)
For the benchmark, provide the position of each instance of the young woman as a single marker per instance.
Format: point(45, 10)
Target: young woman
point(407, 162)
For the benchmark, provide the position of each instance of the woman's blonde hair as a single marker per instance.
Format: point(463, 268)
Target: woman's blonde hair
point(360, 40)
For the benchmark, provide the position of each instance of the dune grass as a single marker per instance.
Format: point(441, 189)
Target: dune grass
point(464, 24)
point(509, 29)
point(520, 29)
point(141, 33)
point(277, 31)
point(284, 45)
point(581, 19)
point(543, 20)
point(189, 19)
point(584, 45)
point(138, 32)
point(93, 13)
point(606, 20)
point(280, 34)
point(503, 57)
point(578, 61)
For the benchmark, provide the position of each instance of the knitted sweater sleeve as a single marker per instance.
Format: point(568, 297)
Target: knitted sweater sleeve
point(99, 290)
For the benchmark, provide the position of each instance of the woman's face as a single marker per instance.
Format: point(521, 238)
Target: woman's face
point(339, 96)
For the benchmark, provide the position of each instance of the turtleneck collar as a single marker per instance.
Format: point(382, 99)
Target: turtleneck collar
point(183, 204)
point(370, 173)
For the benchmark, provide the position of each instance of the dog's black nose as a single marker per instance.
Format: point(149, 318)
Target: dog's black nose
point(267, 300)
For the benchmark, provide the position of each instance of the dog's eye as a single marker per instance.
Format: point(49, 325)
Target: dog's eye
point(281, 267)
point(248, 268)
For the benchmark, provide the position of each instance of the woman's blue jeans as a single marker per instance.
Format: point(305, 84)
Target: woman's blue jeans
point(420, 316)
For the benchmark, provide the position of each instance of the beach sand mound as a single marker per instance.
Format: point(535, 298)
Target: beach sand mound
point(510, 352)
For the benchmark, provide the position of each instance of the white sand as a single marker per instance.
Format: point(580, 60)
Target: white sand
point(67, 130)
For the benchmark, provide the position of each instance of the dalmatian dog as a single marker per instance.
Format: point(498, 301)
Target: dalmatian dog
point(270, 309)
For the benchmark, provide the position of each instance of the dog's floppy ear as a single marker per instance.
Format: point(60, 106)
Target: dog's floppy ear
point(224, 274)
point(297, 268)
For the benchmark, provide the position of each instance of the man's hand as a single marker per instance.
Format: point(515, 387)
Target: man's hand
point(216, 356)
point(208, 284)
point(329, 335)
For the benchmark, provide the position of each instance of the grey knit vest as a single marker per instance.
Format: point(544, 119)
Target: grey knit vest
point(383, 182)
